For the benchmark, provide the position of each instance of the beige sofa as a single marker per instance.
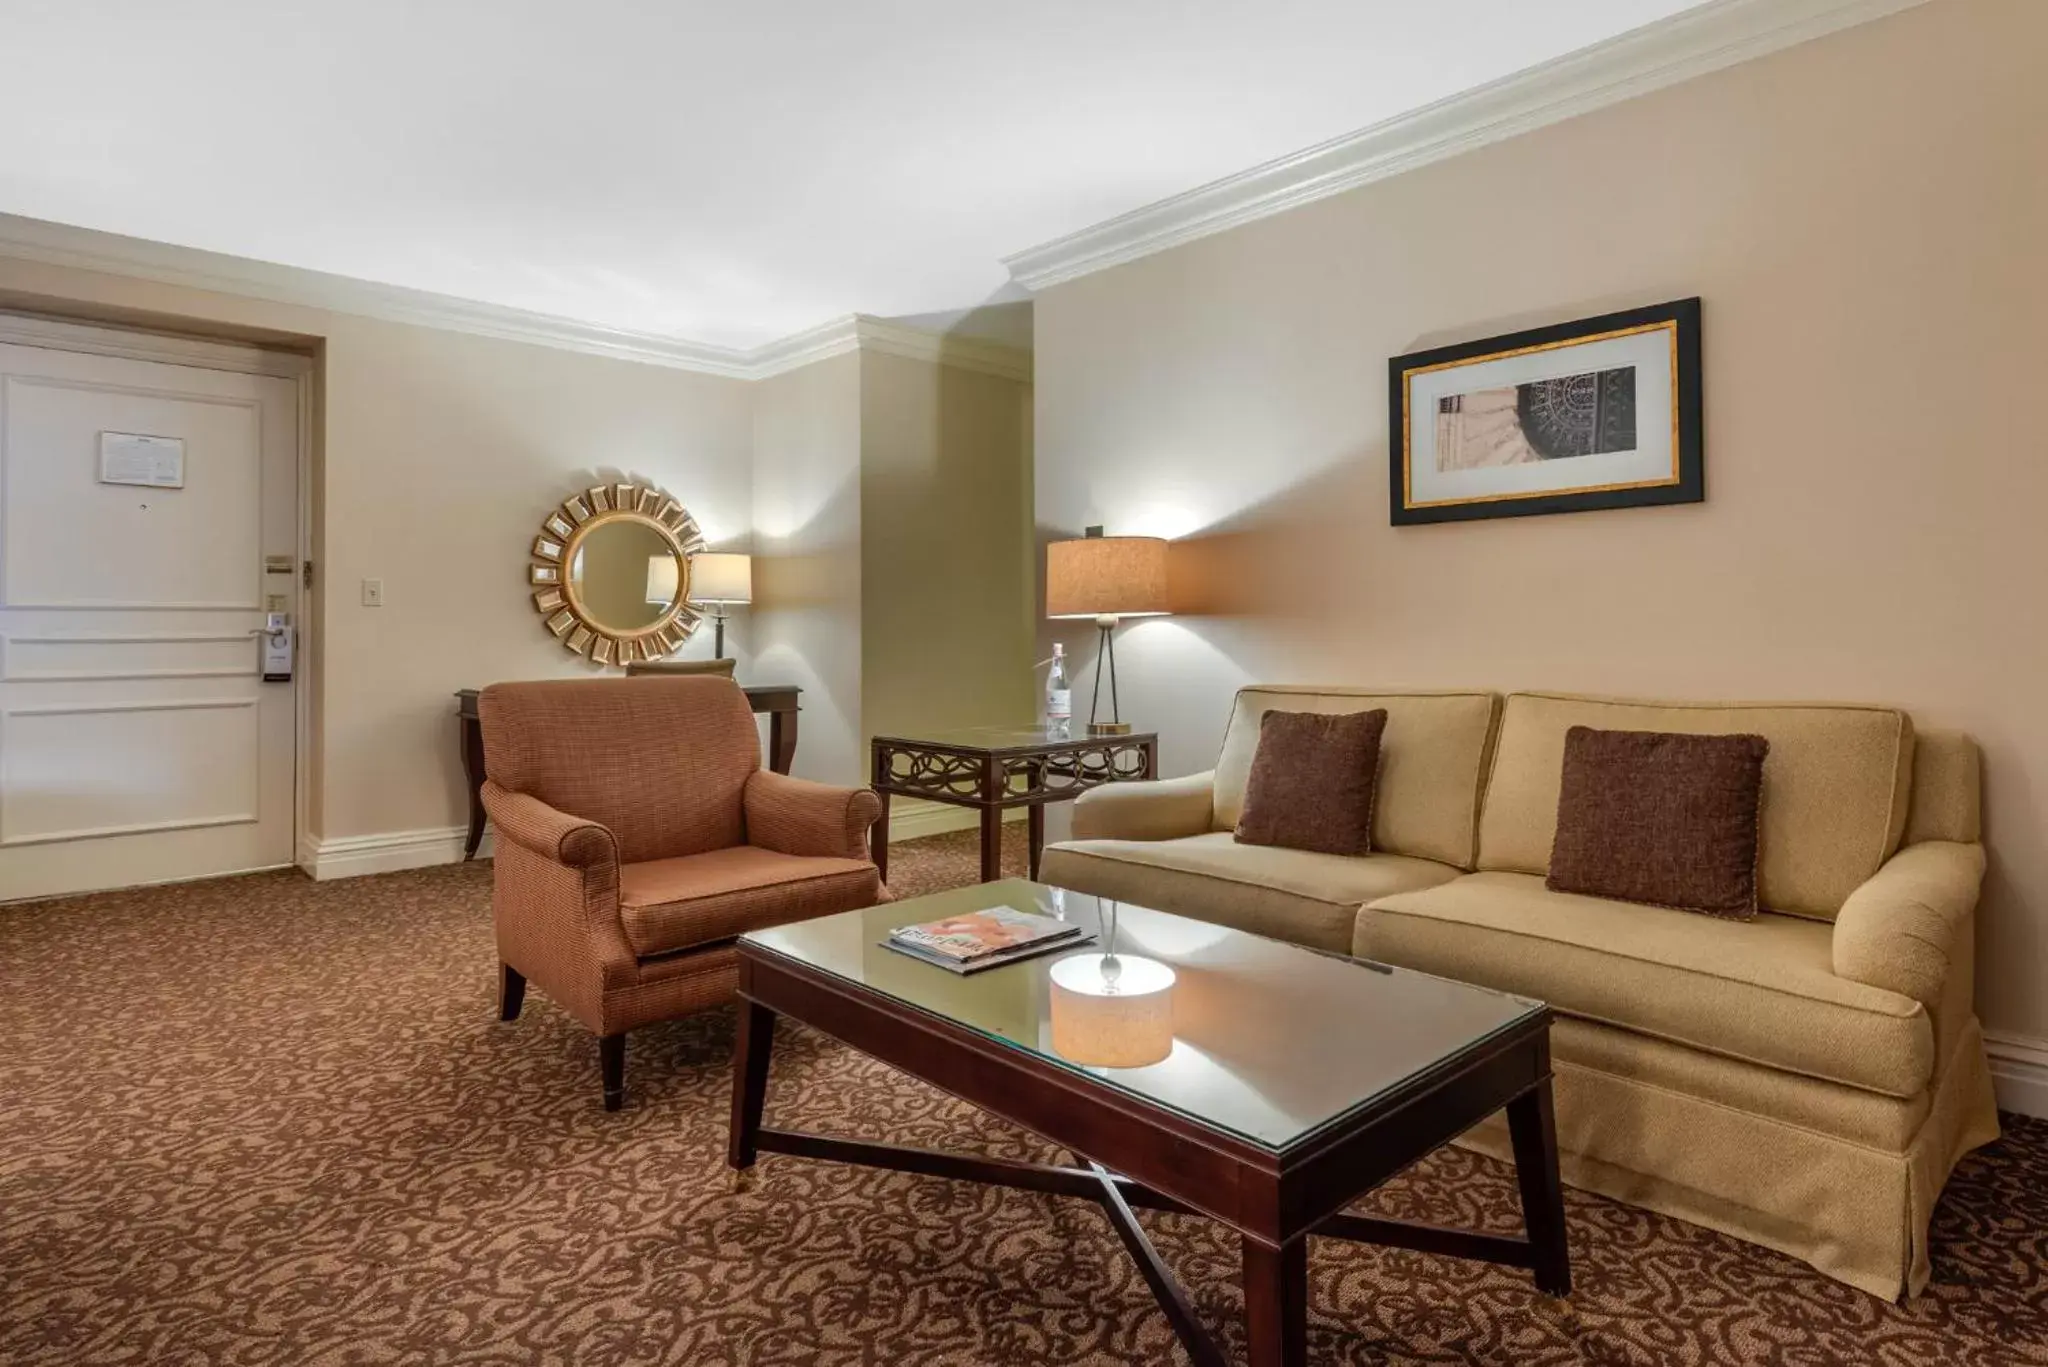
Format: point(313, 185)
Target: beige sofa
point(1805, 1081)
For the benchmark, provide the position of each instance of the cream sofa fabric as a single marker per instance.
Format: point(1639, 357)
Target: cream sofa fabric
point(1764, 991)
point(1431, 759)
point(1298, 895)
point(1803, 1085)
point(1835, 786)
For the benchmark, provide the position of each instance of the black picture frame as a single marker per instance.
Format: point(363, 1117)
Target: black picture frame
point(1687, 485)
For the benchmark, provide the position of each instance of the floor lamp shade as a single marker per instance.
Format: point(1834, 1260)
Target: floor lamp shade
point(1106, 576)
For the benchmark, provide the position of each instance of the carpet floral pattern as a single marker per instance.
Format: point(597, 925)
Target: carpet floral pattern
point(269, 1121)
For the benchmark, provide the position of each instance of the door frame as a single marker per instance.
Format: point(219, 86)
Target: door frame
point(242, 358)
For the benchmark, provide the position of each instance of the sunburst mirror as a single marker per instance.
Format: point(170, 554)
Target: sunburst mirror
point(611, 573)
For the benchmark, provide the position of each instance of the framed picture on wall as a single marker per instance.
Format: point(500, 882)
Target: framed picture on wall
point(1600, 413)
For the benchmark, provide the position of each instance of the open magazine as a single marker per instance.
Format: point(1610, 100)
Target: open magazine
point(984, 939)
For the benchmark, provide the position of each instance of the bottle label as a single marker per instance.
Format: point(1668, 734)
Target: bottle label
point(1059, 704)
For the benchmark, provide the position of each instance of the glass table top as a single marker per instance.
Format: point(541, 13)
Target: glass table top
point(1268, 1041)
point(1007, 737)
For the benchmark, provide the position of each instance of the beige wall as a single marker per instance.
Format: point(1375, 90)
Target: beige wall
point(438, 455)
point(807, 515)
point(946, 547)
point(1866, 218)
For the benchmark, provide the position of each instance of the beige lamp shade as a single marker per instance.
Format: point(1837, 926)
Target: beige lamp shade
point(721, 578)
point(661, 579)
point(1112, 1011)
point(1106, 576)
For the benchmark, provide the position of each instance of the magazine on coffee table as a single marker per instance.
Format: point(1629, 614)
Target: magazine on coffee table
point(985, 939)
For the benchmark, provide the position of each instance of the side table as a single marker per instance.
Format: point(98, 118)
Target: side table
point(994, 768)
point(779, 701)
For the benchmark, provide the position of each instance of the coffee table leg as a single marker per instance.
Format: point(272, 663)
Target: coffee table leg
point(1533, 1128)
point(756, 1038)
point(1276, 1303)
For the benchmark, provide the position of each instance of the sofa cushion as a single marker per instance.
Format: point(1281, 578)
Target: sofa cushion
point(1310, 899)
point(699, 899)
point(1432, 758)
point(1836, 784)
point(1671, 820)
point(1312, 781)
point(1763, 991)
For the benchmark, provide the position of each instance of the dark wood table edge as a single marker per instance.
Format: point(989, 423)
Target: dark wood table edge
point(991, 806)
point(1305, 1187)
point(779, 701)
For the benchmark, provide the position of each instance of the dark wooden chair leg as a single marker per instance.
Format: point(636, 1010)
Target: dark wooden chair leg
point(1532, 1127)
point(611, 1057)
point(511, 992)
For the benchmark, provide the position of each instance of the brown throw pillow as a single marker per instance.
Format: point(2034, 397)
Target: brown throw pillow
point(1312, 781)
point(1649, 816)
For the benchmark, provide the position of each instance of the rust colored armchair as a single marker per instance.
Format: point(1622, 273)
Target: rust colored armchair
point(638, 836)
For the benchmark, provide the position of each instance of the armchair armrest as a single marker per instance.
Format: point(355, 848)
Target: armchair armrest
point(796, 816)
point(553, 835)
point(1907, 929)
point(1156, 809)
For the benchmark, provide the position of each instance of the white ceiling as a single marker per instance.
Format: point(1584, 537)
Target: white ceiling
point(728, 173)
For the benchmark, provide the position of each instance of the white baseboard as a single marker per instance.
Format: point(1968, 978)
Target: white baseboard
point(351, 856)
point(910, 818)
point(2019, 1073)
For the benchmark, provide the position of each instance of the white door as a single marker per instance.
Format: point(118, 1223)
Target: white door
point(139, 742)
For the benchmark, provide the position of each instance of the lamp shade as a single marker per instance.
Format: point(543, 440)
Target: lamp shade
point(661, 579)
point(1112, 1012)
point(721, 578)
point(1106, 576)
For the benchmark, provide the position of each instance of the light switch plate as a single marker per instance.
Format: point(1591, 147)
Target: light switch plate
point(373, 593)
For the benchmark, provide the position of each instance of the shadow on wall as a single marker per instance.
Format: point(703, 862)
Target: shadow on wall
point(799, 624)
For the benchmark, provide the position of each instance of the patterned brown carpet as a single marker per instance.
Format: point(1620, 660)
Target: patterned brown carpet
point(265, 1120)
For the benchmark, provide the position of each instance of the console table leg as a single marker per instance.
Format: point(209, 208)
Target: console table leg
point(1532, 1127)
point(878, 837)
point(753, 1043)
point(991, 844)
point(1036, 835)
point(1276, 1303)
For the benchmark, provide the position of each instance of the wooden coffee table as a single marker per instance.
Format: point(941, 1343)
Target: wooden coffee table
point(1298, 1081)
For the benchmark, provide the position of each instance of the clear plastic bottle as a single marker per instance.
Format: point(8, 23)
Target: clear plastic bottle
point(1059, 698)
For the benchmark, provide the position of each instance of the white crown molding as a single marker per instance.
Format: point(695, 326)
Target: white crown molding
point(2019, 1072)
point(57, 244)
point(1693, 43)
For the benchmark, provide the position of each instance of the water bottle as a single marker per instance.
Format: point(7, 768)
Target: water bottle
point(1059, 699)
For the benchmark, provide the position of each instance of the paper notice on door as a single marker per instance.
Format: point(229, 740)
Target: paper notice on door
point(129, 458)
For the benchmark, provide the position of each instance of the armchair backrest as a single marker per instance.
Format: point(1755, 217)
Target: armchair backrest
point(661, 761)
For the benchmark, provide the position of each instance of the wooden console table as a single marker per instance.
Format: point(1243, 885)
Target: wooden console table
point(779, 701)
point(994, 768)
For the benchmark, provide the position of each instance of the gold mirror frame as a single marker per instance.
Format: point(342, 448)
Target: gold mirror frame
point(561, 606)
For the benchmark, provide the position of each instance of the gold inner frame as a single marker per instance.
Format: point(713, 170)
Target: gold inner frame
point(1408, 499)
point(559, 600)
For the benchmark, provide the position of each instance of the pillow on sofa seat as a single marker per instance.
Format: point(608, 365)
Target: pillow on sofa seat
point(1312, 779)
point(1660, 817)
point(1763, 991)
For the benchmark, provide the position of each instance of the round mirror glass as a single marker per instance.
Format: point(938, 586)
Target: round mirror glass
point(624, 575)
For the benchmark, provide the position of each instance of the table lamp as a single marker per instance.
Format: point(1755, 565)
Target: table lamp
point(1107, 578)
point(1111, 1010)
point(719, 580)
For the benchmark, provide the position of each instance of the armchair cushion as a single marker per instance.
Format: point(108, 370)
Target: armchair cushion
point(796, 816)
point(1904, 929)
point(1159, 809)
point(670, 904)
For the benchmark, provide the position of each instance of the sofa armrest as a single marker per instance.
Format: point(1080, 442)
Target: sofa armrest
point(1907, 928)
point(796, 816)
point(553, 835)
point(1155, 809)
